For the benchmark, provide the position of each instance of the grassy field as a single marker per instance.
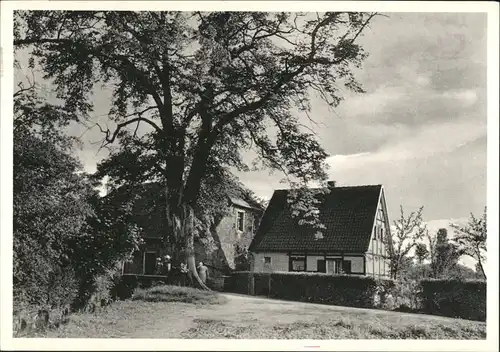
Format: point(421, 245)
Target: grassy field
point(243, 317)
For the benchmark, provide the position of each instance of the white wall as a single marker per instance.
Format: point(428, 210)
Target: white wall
point(279, 262)
point(356, 264)
point(375, 263)
point(312, 262)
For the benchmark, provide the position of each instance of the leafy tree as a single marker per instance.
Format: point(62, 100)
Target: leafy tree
point(50, 199)
point(421, 252)
point(408, 232)
point(445, 256)
point(65, 235)
point(198, 88)
point(472, 239)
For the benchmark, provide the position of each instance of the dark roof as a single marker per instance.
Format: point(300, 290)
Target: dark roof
point(347, 212)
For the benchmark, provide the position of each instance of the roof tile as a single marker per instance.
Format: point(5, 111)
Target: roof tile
point(347, 212)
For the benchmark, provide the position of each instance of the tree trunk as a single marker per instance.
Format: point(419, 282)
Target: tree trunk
point(189, 242)
point(481, 267)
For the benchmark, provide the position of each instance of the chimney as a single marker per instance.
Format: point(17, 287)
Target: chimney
point(331, 184)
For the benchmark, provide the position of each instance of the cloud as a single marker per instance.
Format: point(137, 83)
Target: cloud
point(421, 127)
point(428, 141)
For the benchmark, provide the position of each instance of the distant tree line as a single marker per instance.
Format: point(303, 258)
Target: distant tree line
point(414, 252)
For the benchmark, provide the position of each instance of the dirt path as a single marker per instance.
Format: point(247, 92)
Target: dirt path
point(248, 311)
point(248, 317)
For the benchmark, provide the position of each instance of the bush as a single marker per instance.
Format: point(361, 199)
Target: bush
point(406, 295)
point(454, 298)
point(167, 293)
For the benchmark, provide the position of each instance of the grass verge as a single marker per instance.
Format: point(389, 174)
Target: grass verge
point(344, 328)
point(167, 293)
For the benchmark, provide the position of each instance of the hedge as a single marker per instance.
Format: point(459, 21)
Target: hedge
point(454, 298)
point(345, 290)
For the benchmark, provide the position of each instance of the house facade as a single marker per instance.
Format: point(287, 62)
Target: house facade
point(219, 250)
point(354, 241)
point(232, 236)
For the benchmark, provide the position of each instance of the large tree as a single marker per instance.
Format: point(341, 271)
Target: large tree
point(206, 85)
point(472, 239)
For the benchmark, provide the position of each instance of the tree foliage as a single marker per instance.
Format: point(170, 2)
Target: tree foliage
point(445, 255)
point(471, 238)
point(421, 252)
point(408, 231)
point(50, 198)
point(205, 85)
point(64, 234)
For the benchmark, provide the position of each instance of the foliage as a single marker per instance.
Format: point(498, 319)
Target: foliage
point(408, 231)
point(65, 236)
point(445, 255)
point(50, 203)
point(471, 238)
point(421, 252)
point(167, 293)
point(406, 294)
point(454, 298)
point(200, 87)
point(344, 290)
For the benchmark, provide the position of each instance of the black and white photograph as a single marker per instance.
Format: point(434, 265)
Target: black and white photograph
point(228, 171)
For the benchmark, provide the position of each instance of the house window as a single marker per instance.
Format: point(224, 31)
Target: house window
point(240, 220)
point(333, 266)
point(267, 260)
point(297, 264)
point(381, 234)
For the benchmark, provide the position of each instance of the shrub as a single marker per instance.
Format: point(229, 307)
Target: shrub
point(238, 282)
point(167, 293)
point(454, 298)
point(347, 290)
point(406, 295)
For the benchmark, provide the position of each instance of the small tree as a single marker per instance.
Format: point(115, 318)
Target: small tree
point(445, 256)
point(421, 252)
point(472, 239)
point(408, 231)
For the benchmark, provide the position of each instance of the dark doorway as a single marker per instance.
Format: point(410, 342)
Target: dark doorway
point(149, 263)
point(321, 266)
point(346, 266)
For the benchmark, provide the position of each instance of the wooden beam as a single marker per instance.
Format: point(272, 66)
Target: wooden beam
point(364, 264)
point(342, 262)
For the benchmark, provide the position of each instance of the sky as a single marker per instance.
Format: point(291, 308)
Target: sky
point(420, 128)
